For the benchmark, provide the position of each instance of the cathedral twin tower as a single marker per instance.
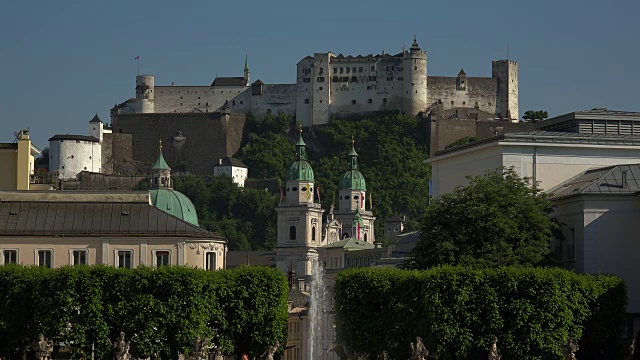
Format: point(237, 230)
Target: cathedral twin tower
point(300, 229)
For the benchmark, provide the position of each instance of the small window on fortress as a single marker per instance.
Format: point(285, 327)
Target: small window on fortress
point(451, 102)
point(341, 70)
point(320, 88)
point(360, 69)
point(370, 101)
point(187, 92)
point(335, 70)
point(373, 68)
point(240, 102)
point(206, 104)
point(464, 103)
point(348, 70)
point(384, 100)
point(354, 69)
point(489, 104)
point(346, 197)
point(233, 103)
point(268, 111)
point(415, 68)
point(353, 102)
point(198, 97)
point(180, 104)
point(294, 189)
point(89, 157)
point(320, 101)
point(306, 101)
point(85, 168)
point(180, 97)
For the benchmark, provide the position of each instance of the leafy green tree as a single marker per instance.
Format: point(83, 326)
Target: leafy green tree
point(498, 219)
point(535, 115)
point(268, 155)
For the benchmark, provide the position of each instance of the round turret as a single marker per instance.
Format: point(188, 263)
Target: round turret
point(414, 82)
point(144, 93)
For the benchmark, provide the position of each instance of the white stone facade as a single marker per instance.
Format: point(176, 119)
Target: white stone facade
point(548, 163)
point(338, 86)
point(238, 174)
point(72, 154)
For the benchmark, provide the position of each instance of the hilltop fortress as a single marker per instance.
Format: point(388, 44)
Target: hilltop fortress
point(337, 86)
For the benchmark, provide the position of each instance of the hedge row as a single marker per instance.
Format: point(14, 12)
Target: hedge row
point(457, 311)
point(161, 310)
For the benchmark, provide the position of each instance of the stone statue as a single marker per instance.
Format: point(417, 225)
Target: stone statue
point(493, 350)
point(122, 348)
point(271, 350)
point(632, 348)
point(418, 350)
point(201, 347)
point(43, 348)
point(570, 349)
point(219, 355)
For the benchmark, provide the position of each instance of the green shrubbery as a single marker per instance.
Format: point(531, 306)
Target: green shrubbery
point(457, 311)
point(161, 310)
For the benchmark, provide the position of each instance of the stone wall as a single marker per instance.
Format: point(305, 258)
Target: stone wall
point(480, 92)
point(192, 142)
point(98, 181)
point(447, 126)
point(276, 98)
point(186, 99)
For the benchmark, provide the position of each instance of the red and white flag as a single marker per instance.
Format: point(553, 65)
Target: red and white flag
point(358, 231)
point(318, 192)
point(137, 57)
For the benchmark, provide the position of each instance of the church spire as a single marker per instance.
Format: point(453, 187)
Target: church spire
point(161, 172)
point(353, 156)
point(301, 153)
point(247, 73)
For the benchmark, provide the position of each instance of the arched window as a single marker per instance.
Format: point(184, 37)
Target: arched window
point(365, 237)
point(313, 233)
point(292, 232)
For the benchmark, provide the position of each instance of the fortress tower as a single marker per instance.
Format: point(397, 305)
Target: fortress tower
point(414, 82)
point(144, 94)
point(506, 73)
point(299, 232)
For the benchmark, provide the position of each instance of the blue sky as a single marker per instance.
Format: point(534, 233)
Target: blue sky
point(63, 61)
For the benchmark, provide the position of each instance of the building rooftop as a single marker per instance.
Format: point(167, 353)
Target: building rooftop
point(229, 81)
point(552, 137)
point(74, 137)
point(610, 180)
point(9, 146)
point(350, 244)
point(231, 161)
point(61, 218)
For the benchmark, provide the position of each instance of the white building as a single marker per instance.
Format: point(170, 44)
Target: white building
point(233, 168)
point(71, 154)
point(548, 158)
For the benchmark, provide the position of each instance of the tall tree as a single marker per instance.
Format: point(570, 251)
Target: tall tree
point(498, 219)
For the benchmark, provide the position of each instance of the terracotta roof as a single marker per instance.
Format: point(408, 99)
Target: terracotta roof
point(92, 219)
point(229, 81)
point(74, 137)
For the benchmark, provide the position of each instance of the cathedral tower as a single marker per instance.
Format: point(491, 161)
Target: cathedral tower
point(414, 82)
point(353, 202)
point(299, 231)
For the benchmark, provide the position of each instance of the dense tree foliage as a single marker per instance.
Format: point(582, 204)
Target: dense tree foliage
point(535, 115)
point(245, 217)
point(392, 149)
point(457, 311)
point(498, 219)
point(162, 311)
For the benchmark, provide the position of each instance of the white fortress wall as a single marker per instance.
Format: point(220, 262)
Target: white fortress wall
point(275, 99)
point(169, 99)
point(480, 90)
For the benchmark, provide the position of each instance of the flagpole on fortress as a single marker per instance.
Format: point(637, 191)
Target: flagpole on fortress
point(138, 60)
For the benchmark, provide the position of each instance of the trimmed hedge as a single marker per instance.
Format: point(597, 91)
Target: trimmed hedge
point(161, 310)
point(457, 311)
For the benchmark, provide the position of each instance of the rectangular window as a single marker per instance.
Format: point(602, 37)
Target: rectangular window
point(320, 79)
point(211, 261)
point(79, 257)
point(348, 70)
point(360, 69)
point(335, 70)
point(571, 245)
point(10, 256)
point(124, 259)
point(341, 70)
point(162, 258)
point(45, 258)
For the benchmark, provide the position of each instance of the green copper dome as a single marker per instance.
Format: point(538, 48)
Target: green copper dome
point(352, 179)
point(160, 164)
point(175, 203)
point(301, 169)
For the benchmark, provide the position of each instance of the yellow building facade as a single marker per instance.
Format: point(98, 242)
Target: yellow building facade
point(17, 161)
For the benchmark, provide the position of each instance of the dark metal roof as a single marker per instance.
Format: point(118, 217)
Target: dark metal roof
point(92, 219)
point(95, 119)
point(258, 82)
point(610, 180)
point(553, 137)
point(231, 161)
point(8, 145)
point(408, 238)
point(229, 81)
point(395, 218)
point(74, 137)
